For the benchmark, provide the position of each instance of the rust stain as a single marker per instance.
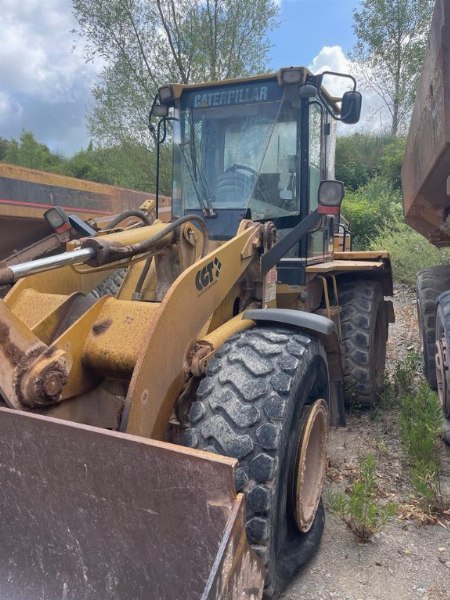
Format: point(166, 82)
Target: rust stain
point(101, 327)
point(12, 352)
point(4, 333)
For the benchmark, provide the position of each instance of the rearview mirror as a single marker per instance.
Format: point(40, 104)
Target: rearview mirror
point(159, 110)
point(351, 107)
point(330, 194)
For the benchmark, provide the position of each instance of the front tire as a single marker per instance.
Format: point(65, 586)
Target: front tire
point(262, 402)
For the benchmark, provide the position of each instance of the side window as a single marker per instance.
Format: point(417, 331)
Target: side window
point(315, 147)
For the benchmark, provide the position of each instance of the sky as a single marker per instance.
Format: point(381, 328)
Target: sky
point(45, 82)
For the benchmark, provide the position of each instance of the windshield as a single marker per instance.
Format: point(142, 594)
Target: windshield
point(236, 148)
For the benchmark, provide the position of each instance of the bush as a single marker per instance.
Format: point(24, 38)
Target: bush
point(369, 209)
point(409, 251)
point(363, 156)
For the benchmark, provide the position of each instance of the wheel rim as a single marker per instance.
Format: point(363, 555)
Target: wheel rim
point(442, 373)
point(311, 465)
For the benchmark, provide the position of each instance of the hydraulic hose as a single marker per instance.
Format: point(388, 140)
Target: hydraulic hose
point(95, 252)
point(107, 252)
point(142, 247)
point(125, 215)
point(145, 270)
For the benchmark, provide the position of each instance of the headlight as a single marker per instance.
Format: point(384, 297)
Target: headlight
point(165, 94)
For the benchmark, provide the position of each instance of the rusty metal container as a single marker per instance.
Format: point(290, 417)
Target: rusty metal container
point(25, 194)
point(89, 514)
point(426, 166)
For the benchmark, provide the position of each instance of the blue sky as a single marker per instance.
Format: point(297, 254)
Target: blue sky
point(309, 25)
point(45, 82)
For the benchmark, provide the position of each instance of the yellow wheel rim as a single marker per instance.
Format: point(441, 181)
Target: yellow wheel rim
point(311, 464)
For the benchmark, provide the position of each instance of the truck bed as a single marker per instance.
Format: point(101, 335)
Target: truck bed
point(25, 194)
point(426, 166)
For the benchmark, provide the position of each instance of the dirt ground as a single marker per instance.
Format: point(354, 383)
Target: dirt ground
point(406, 560)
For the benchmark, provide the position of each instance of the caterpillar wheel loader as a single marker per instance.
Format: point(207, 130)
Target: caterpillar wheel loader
point(168, 389)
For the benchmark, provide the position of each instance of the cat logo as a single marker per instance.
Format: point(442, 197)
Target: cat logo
point(208, 275)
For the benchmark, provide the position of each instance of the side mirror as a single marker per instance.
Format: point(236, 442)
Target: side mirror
point(330, 194)
point(159, 110)
point(351, 107)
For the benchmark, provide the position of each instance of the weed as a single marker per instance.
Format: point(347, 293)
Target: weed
point(409, 251)
point(407, 374)
point(359, 508)
point(421, 423)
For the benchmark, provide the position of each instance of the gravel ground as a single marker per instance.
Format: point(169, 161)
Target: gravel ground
point(407, 559)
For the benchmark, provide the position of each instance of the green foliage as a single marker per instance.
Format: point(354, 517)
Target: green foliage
point(360, 508)
point(27, 152)
point(391, 160)
point(421, 423)
point(363, 156)
point(145, 45)
point(406, 374)
point(391, 38)
point(370, 167)
point(369, 208)
point(409, 251)
point(127, 165)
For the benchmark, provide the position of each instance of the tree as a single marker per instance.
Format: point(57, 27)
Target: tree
point(27, 152)
point(127, 165)
point(146, 43)
point(391, 39)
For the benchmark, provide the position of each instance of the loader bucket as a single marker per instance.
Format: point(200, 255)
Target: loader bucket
point(89, 514)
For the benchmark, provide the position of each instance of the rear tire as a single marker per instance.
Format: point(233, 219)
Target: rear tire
point(364, 335)
point(430, 284)
point(442, 348)
point(253, 405)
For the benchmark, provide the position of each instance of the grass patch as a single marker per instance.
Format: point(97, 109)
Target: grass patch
point(360, 508)
point(421, 423)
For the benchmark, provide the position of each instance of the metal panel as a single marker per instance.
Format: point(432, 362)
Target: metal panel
point(427, 158)
point(88, 514)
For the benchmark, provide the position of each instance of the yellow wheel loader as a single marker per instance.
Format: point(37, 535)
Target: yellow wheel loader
point(168, 389)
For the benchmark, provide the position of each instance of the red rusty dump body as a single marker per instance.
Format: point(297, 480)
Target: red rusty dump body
point(426, 167)
point(25, 194)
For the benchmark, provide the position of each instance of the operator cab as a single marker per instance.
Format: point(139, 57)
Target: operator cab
point(256, 148)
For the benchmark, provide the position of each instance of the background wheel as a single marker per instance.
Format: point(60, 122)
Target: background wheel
point(111, 285)
point(260, 402)
point(364, 335)
point(430, 284)
point(442, 348)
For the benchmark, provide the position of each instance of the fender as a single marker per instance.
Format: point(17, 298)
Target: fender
point(324, 329)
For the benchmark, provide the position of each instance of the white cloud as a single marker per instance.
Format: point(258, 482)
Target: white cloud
point(373, 115)
point(45, 81)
